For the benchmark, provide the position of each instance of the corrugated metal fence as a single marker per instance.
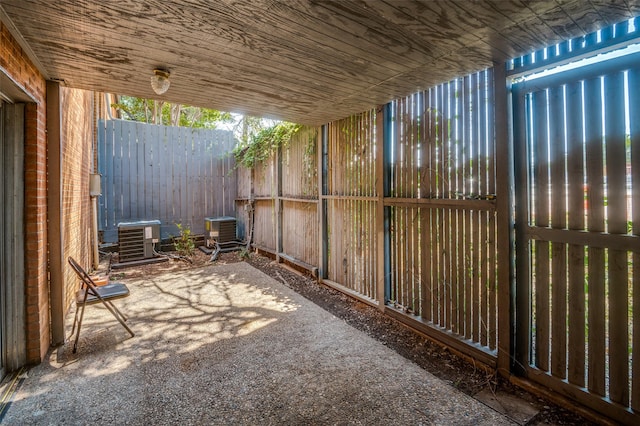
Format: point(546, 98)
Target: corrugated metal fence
point(172, 174)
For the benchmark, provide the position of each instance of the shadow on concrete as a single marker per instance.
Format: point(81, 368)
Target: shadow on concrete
point(227, 344)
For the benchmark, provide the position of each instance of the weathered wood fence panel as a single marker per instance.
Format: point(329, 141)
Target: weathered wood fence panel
point(581, 237)
point(299, 202)
point(172, 174)
point(265, 178)
point(410, 216)
point(351, 204)
point(265, 223)
point(244, 183)
point(300, 231)
point(284, 201)
point(300, 165)
point(264, 227)
point(443, 232)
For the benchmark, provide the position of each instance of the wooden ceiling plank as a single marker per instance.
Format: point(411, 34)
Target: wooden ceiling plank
point(634, 7)
point(305, 61)
point(612, 12)
point(338, 43)
point(255, 59)
point(561, 23)
point(586, 18)
point(441, 22)
point(225, 61)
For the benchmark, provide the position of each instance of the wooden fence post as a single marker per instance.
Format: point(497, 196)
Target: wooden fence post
point(322, 203)
point(278, 202)
point(504, 197)
point(381, 227)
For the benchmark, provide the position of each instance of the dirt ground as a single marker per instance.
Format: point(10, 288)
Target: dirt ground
point(413, 346)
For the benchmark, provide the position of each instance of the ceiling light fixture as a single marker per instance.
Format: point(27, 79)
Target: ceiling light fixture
point(160, 81)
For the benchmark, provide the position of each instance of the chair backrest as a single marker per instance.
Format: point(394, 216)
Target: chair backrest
point(84, 276)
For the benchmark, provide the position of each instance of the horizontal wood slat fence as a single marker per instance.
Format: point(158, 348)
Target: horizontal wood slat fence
point(172, 174)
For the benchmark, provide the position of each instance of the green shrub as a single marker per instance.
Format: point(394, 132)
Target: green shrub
point(184, 244)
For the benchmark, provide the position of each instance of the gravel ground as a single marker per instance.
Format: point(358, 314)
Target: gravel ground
point(430, 356)
point(227, 344)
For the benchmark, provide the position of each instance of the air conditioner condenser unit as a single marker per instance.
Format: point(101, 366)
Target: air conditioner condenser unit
point(137, 239)
point(220, 229)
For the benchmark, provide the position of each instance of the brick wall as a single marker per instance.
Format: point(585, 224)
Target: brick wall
point(77, 140)
point(17, 65)
point(77, 135)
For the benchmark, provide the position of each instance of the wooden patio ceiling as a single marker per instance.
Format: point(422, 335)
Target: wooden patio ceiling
point(304, 61)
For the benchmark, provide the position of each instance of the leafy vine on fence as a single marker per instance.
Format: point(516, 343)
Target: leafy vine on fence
point(265, 143)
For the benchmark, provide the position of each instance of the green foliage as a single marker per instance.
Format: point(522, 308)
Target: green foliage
point(244, 254)
point(264, 143)
point(310, 160)
point(159, 112)
point(184, 244)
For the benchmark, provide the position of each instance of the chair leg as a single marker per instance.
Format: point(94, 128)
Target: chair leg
point(116, 313)
point(75, 344)
point(75, 320)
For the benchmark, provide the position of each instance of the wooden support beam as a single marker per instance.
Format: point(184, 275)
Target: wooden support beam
point(504, 201)
point(381, 232)
point(54, 212)
point(518, 288)
point(278, 200)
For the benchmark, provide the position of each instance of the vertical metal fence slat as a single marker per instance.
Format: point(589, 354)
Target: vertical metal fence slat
point(131, 190)
point(123, 191)
point(435, 215)
point(458, 217)
point(452, 224)
point(100, 168)
point(520, 350)
point(109, 178)
point(415, 213)
point(465, 290)
point(443, 193)
point(404, 141)
point(157, 171)
point(469, 237)
point(475, 231)
point(141, 171)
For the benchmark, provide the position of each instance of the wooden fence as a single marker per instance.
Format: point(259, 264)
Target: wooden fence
point(349, 201)
point(172, 174)
point(413, 213)
point(443, 220)
point(283, 200)
point(579, 228)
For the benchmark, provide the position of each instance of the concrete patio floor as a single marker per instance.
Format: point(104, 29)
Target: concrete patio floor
point(227, 344)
